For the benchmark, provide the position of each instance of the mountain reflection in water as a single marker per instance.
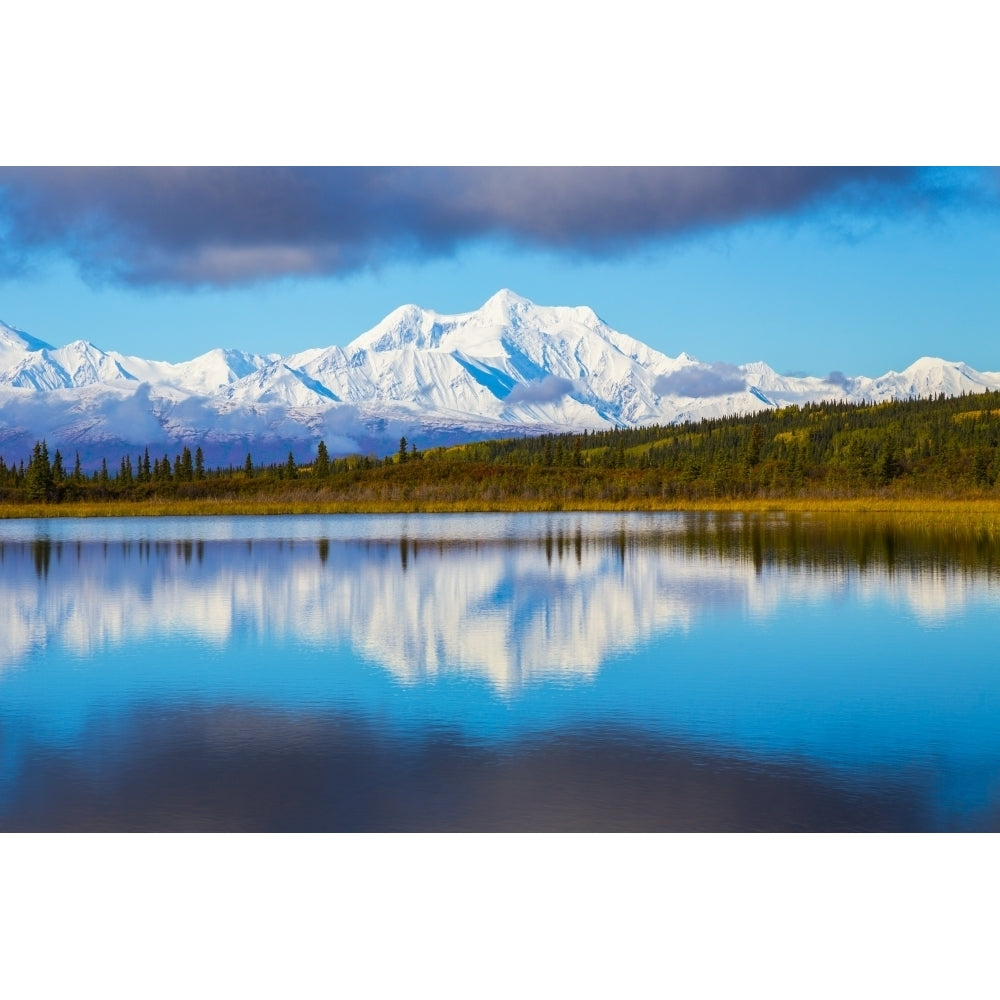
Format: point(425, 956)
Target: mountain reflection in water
point(532, 672)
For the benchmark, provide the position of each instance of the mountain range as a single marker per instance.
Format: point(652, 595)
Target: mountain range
point(508, 368)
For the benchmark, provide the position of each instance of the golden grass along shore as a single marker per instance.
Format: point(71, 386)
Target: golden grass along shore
point(979, 513)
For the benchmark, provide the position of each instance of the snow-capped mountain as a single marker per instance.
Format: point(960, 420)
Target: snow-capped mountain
point(15, 344)
point(509, 367)
point(510, 362)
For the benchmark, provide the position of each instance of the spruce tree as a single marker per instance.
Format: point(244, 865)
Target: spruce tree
point(321, 469)
point(38, 477)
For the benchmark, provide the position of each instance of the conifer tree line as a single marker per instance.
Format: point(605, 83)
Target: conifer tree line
point(925, 446)
point(45, 477)
point(929, 447)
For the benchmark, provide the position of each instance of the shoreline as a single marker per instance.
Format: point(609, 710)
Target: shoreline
point(224, 507)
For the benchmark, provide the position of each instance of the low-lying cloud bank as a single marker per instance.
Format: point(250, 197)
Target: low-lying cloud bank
point(839, 379)
point(700, 381)
point(549, 390)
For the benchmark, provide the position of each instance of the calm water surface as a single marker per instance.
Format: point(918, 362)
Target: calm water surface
point(482, 672)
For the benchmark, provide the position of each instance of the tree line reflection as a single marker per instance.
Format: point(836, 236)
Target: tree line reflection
point(819, 541)
point(803, 541)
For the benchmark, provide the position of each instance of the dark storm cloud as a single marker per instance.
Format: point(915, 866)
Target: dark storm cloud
point(548, 390)
point(221, 226)
point(699, 381)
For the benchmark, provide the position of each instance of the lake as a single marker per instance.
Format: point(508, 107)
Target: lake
point(581, 672)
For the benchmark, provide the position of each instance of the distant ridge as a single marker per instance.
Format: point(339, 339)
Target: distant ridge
point(510, 367)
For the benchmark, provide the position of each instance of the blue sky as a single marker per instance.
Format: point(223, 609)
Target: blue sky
point(810, 270)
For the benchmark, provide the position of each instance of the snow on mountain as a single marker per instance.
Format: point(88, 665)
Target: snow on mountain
point(29, 363)
point(932, 376)
point(76, 365)
point(509, 367)
point(280, 383)
point(15, 344)
point(510, 361)
point(205, 375)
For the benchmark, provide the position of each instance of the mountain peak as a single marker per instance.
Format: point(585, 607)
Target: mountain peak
point(505, 304)
point(402, 327)
point(507, 297)
point(926, 362)
point(12, 338)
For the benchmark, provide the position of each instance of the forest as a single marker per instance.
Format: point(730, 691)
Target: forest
point(945, 448)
